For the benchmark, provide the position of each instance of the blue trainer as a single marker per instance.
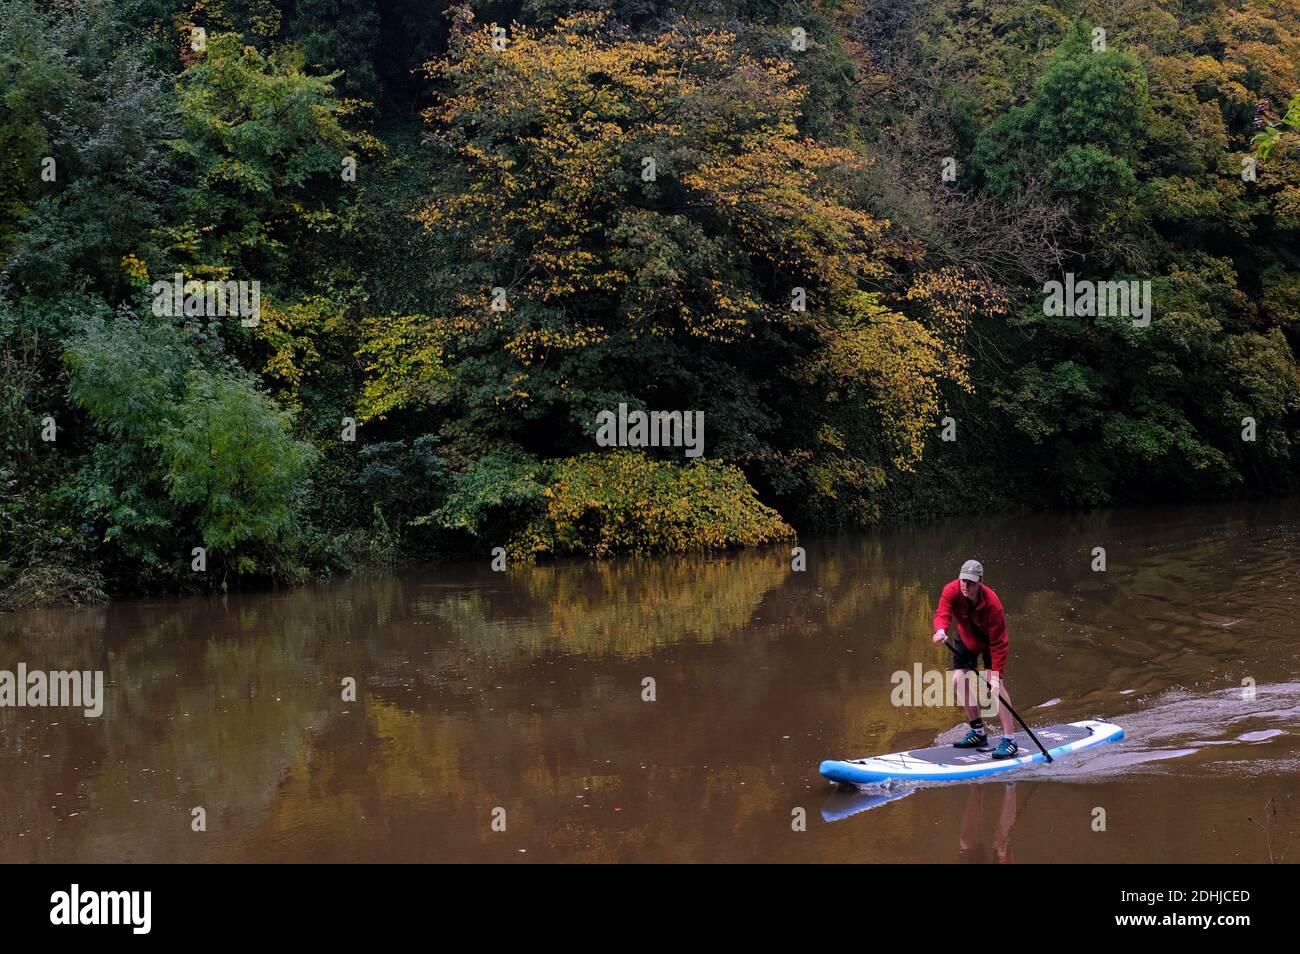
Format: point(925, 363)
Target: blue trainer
point(1006, 748)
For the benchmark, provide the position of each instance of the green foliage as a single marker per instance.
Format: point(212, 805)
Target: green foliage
point(189, 456)
point(490, 498)
point(1078, 130)
point(234, 467)
point(1158, 412)
point(340, 35)
point(88, 168)
point(400, 481)
point(33, 74)
point(265, 145)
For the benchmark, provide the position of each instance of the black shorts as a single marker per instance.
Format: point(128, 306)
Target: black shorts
point(968, 659)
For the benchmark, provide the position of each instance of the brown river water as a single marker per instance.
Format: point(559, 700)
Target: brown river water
point(515, 700)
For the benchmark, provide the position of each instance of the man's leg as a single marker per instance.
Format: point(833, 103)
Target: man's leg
point(963, 681)
point(1007, 745)
point(965, 696)
point(1004, 714)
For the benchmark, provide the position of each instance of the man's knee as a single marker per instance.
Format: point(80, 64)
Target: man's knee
point(964, 687)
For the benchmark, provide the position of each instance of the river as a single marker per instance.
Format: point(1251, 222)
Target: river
point(508, 716)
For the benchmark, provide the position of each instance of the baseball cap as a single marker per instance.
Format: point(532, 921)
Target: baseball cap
point(971, 570)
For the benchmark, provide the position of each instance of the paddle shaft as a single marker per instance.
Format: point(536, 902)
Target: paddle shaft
point(1047, 756)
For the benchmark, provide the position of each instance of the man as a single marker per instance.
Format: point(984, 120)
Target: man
point(981, 631)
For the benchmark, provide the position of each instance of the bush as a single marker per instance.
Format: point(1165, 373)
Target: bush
point(188, 454)
point(626, 502)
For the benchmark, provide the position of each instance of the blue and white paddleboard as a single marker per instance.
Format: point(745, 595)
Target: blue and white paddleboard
point(946, 763)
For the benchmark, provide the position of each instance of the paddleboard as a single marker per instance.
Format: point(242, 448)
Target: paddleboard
point(946, 763)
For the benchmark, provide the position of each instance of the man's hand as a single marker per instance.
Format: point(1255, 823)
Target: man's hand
point(940, 635)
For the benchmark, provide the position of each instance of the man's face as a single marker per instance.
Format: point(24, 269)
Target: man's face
point(971, 589)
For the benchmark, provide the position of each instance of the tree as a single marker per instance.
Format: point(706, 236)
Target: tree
point(264, 144)
point(647, 208)
point(1080, 127)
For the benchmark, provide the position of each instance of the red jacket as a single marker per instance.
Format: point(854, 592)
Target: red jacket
point(982, 626)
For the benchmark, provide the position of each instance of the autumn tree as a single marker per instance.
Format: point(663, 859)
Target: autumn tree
point(642, 222)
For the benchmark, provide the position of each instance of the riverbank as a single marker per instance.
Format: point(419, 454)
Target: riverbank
point(463, 336)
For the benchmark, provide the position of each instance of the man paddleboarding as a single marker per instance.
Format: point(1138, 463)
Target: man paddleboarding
point(981, 631)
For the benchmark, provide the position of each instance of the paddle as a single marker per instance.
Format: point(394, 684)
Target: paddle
point(953, 650)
